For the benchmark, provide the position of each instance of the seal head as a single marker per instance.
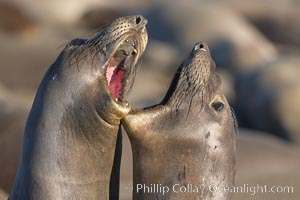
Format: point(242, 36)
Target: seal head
point(114, 53)
point(188, 140)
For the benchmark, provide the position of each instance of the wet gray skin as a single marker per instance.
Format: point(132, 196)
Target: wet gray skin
point(187, 142)
point(72, 129)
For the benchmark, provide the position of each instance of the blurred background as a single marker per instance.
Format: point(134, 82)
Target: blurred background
point(255, 44)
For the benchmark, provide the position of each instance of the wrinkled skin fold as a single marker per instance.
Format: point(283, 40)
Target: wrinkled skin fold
point(72, 129)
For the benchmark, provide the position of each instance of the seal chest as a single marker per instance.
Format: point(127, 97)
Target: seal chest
point(186, 144)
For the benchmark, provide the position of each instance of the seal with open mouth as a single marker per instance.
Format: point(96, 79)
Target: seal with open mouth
point(71, 132)
point(184, 148)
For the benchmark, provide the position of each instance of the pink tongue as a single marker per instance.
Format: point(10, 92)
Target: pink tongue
point(114, 79)
point(109, 73)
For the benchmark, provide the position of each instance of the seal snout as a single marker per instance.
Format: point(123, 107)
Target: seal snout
point(140, 26)
point(139, 20)
point(200, 46)
point(197, 76)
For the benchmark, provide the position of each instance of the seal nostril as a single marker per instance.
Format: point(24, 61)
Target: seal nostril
point(199, 46)
point(138, 20)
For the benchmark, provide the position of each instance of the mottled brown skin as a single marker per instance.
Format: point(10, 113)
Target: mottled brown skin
point(187, 139)
point(71, 132)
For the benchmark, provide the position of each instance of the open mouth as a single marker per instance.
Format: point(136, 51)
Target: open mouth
point(118, 68)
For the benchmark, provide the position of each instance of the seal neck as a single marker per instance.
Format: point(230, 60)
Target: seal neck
point(65, 143)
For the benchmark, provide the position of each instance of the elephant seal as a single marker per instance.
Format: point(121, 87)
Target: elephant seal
point(184, 147)
point(71, 132)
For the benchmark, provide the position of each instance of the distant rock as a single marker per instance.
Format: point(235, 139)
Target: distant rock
point(69, 12)
point(24, 61)
point(162, 56)
point(96, 18)
point(268, 99)
point(14, 20)
point(265, 160)
point(13, 114)
point(279, 20)
point(234, 42)
point(227, 85)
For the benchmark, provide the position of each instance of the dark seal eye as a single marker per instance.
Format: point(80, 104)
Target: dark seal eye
point(218, 106)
